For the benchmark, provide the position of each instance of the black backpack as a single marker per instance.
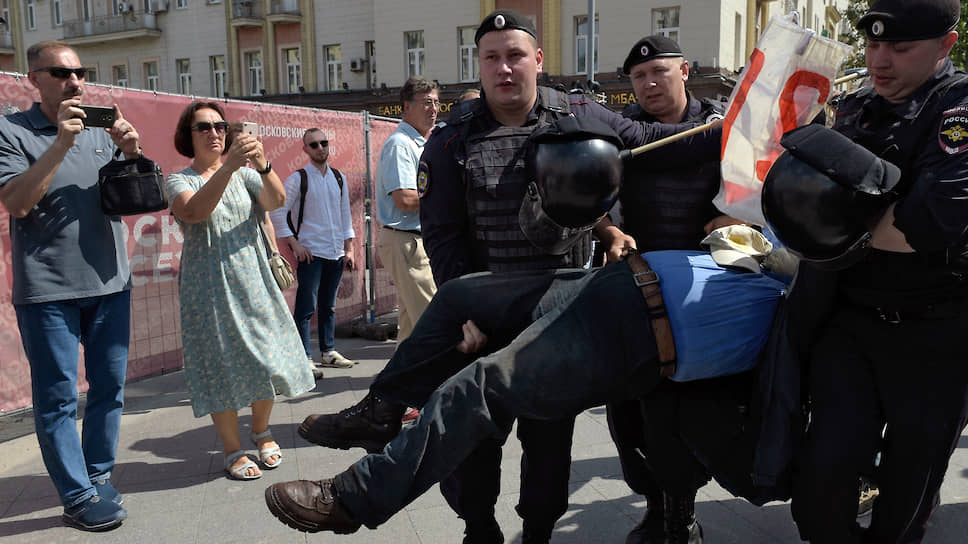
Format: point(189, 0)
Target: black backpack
point(303, 187)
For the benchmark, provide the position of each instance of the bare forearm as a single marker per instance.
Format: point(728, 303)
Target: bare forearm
point(199, 206)
point(406, 200)
point(273, 194)
point(23, 192)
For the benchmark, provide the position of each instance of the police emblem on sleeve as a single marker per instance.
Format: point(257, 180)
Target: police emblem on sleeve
point(423, 179)
point(713, 117)
point(953, 132)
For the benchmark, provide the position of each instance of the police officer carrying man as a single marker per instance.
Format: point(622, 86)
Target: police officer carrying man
point(890, 348)
point(472, 180)
point(664, 207)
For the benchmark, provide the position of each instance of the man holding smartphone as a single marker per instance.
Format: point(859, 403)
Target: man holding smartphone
point(71, 280)
point(316, 223)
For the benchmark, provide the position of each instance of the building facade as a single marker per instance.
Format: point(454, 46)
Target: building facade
point(354, 54)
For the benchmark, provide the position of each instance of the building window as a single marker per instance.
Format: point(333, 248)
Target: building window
point(334, 66)
point(469, 69)
point(581, 44)
point(665, 22)
point(253, 61)
point(30, 15)
point(183, 69)
point(219, 75)
point(5, 11)
point(738, 56)
point(55, 13)
point(91, 76)
point(86, 9)
point(181, 4)
point(151, 75)
point(415, 52)
point(293, 69)
point(120, 75)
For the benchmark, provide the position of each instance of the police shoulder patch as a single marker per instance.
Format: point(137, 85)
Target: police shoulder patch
point(953, 131)
point(714, 117)
point(423, 179)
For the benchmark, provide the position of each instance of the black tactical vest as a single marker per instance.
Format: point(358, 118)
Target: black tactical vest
point(496, 179)
point(667, 208)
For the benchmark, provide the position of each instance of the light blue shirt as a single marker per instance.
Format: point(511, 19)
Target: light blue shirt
point(720, 318)
point(397, 169)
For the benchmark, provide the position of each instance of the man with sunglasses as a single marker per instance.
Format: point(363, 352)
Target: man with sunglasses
point(316, 223)
point(398, 206)
point(71, 280)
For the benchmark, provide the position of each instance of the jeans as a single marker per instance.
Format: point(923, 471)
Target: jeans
point(585, 339)
point(318, 282)
point(52, 333)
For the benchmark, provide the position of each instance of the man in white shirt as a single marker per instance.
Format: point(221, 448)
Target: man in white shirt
point(317, 225)
point(398, 206)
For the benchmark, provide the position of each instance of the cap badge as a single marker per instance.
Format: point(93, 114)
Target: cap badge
point(499, 22)
point(877, 28)
point(644, 50)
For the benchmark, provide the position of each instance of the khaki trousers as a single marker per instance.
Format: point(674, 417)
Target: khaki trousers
point(404, 257)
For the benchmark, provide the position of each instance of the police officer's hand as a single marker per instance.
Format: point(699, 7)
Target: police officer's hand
point(124, 135)
point(721, 221)
point(302, 254)
point(69, 121)
point(620, 246)
point(474, 340)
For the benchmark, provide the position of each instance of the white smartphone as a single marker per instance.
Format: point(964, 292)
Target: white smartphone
point(250, 128)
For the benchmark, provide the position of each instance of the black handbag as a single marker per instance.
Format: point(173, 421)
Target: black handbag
point(131, 186)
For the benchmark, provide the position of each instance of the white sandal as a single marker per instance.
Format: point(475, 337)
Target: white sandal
point(239, 473)
point(266, 453)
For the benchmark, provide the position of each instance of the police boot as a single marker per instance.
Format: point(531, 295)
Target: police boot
point(483, 532)
point(369, 424)
point(651, 530)
point(680, 520)
point(536, 533)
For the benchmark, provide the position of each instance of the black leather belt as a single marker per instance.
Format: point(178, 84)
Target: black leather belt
point(409, 231)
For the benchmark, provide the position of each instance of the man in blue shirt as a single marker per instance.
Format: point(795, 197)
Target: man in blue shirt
point(579, 316)
point(398, 206)
point(71, 280)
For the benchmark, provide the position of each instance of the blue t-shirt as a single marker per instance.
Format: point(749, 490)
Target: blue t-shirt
point(720, 318)
point(397, 169)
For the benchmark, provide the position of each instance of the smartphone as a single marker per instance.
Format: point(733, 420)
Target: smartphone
point(250, 128)
point(98, 116)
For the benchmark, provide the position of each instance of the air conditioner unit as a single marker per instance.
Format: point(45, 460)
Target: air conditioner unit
point(159, 5)
point(356, 65)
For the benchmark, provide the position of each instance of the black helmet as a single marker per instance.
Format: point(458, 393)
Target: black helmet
point(821, 195)
point(575, 172)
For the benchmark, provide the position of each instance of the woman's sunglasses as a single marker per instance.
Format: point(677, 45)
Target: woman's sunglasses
point(61, 72)
point(205, 126)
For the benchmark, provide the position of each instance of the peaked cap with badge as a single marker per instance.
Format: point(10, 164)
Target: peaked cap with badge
point(909, 20)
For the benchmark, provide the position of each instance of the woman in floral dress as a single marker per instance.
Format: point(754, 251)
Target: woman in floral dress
point(240, 342)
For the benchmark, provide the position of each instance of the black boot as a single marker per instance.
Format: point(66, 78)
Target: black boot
point(680, 520)
point(369, 424)
point(536, 533)
point(483, 532)
point(651, 530)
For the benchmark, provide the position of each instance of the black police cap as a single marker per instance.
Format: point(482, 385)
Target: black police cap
point(907, 20)
point(505, 19)
point(648, 48)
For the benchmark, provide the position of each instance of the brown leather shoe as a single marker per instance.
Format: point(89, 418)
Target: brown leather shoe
point(310, 507)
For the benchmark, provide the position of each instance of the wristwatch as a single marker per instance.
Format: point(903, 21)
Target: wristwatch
point(265, 170)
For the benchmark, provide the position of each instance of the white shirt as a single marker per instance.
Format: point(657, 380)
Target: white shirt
point(327, 221)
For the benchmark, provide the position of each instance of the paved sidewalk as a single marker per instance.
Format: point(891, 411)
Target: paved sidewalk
point(170, 471)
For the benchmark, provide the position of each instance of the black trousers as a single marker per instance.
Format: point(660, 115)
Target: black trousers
point(866, 372)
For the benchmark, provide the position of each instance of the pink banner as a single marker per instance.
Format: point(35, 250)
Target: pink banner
point(154, 241)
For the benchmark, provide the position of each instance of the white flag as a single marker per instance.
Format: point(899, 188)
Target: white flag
point(788, 79)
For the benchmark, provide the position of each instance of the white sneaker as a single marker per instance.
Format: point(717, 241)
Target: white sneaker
point(333, 359)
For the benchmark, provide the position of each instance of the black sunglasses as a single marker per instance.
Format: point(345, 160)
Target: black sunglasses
point(315, 145)
point(205, 126)
point(61, 72)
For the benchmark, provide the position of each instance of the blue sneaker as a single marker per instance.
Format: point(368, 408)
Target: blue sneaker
point(107, 491)
point(95, 514)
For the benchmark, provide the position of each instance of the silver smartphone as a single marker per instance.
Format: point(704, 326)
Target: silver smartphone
point(250, 128)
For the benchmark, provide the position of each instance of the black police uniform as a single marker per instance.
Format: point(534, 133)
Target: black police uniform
point(891, 350)
point(456, 209)
point(663, 208)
